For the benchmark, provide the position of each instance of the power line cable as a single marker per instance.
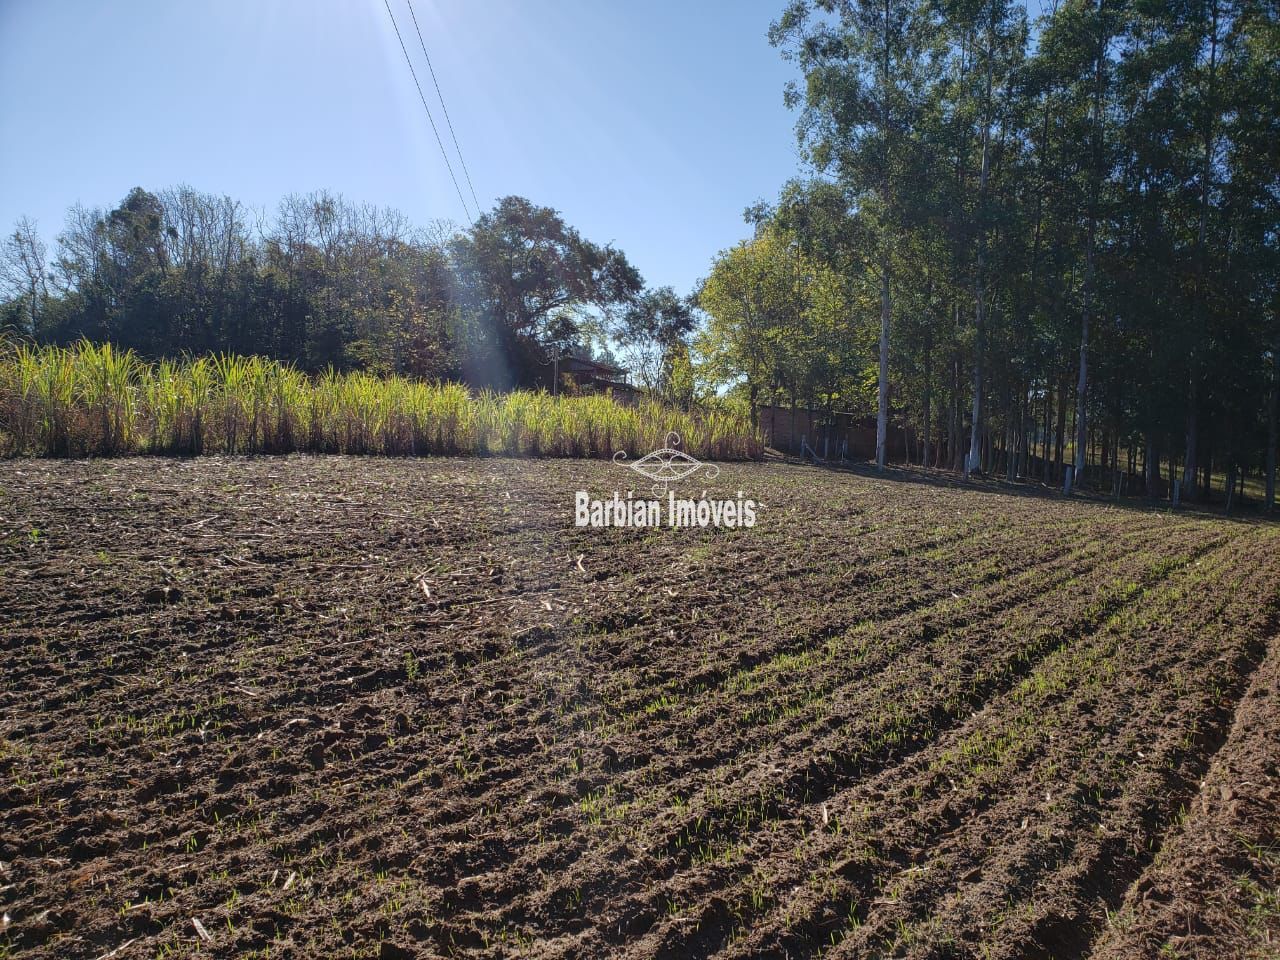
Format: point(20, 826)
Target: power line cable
point(439, 142)
point(422, 43)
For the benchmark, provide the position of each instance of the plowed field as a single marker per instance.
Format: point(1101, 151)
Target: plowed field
point(315, 707)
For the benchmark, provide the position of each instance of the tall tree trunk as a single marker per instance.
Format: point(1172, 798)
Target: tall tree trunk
point(1010, 436)
point(1082, 381)
point(882, 409)
point(1272, 438)
point(928, 390)
point(886, 253)
point(980, 280)
point(1026, 436)
point(1095, 148)
point(1151, 464)
point(1193, 433)
point(1060, 434)
point(973, 461)
point(1200, 312)
point(953, 440)
point(1048, 428)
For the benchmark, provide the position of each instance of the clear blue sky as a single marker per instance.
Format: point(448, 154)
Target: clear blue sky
point(648, 124)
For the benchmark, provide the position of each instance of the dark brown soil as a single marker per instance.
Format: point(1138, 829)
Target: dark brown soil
point(1214, 888)
point(314, 707)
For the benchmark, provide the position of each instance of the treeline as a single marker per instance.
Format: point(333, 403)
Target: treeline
point(1055, 242)
point(328, 284)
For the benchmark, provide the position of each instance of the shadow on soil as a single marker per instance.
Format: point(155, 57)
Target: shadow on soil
point(1247, 512)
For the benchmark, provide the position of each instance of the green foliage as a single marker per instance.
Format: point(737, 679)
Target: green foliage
point(654, 333)
point(330, 284)
point(783, 323)
point(1075, 227)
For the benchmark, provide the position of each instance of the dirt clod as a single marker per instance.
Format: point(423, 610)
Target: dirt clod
point(321, 706)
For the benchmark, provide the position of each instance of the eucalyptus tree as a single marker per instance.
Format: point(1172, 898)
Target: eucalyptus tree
point(1076, 57)
point(986, 46)
point(866, 65)
point(1077, 226)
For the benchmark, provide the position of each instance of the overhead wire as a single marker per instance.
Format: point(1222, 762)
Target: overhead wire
point(443, 153)
point(422, 43)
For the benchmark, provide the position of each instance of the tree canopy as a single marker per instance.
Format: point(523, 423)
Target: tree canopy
point(1065, 233)
point(326, 284)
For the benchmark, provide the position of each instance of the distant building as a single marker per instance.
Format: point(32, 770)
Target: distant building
point(591, 373)
point(826, 432)
point(580, 375)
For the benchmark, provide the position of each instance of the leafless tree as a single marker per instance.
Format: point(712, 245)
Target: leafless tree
point(24, 269)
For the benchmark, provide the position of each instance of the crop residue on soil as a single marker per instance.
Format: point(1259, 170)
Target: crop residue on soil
point(396, 708)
